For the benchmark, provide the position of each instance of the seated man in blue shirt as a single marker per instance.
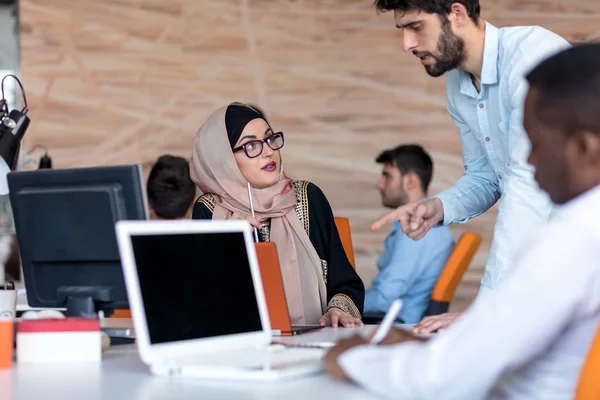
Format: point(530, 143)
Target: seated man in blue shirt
point(408, 269)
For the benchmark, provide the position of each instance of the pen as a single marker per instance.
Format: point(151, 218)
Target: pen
point(252, 212)
point(388, 321)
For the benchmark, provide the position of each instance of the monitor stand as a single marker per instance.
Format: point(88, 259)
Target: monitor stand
point(83, 301)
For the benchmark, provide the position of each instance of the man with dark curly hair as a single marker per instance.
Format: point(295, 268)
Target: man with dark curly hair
point(485, 90)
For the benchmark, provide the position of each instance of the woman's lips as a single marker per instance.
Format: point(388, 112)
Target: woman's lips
point(270, 167)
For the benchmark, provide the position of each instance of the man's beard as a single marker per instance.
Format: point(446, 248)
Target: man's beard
point(400, 199)
point(450, 50)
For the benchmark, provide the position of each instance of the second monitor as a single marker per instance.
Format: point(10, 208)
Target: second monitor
point(65, 225)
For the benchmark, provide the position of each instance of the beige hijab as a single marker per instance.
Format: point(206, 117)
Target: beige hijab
point(215, 171)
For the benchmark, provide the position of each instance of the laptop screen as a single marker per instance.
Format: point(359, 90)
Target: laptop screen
point(195, 285)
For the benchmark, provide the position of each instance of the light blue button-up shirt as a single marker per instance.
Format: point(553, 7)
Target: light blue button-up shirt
point(495, 146)
point(408, 270)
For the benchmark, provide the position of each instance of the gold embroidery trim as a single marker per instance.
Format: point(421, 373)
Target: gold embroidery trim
point(265, 231)
point(209, 201)
point(345, 304)
point(301, 206)
point(324, 268)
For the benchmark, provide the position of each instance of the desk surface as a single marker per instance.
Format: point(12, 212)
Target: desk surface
point(122, 375)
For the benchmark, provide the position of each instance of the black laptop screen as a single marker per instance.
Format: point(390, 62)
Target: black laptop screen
point(195, 285)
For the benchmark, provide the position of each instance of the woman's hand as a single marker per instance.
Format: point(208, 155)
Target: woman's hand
point(335, 316)
point(254, 221)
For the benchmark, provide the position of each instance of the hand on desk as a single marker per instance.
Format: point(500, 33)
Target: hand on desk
point(330, 363)
point(335, 316)
point(435, 323)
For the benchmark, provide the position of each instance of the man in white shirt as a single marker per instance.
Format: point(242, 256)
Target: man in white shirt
point(485, 89)
point(528, 338)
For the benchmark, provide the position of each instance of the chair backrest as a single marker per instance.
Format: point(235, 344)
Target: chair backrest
point(270, 272)
point(343, 227)
point(588, 386)
point(121, 313)
point(453, 271)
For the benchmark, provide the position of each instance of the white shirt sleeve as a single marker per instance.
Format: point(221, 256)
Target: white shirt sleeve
point(500, 333)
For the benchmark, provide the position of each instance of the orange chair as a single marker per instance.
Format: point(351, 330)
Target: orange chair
point(268, 262)
point(452, 274)
point(270, 272)
point(121, 313)
point(343, 227)
point(588, 387)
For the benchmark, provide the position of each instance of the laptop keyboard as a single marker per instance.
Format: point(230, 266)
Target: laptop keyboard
point(273, 357)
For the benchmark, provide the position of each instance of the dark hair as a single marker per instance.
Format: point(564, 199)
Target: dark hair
point(569, 89)
point(170, 189)
point(440, 7)
point(410, 158)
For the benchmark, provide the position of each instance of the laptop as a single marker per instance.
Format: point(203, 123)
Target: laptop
point(275, 294)
point(212, 322)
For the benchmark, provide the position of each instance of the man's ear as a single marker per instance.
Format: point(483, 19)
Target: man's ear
point(588, 146)
point(410, 181)
point(458, 14)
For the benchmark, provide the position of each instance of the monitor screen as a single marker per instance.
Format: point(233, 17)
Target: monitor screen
point(212, 294)
point(65, 225)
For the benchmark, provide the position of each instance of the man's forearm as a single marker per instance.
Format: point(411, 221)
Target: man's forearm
point(469, 197)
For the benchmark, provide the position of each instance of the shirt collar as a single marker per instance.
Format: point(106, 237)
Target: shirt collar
point(489, 68)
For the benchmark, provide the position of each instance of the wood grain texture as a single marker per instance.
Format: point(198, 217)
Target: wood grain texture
point(124, 81)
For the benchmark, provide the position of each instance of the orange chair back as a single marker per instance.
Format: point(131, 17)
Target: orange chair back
point(121, 313)
point(589, 385)
point(270, 272)
point(455, 267)
point(343, 227)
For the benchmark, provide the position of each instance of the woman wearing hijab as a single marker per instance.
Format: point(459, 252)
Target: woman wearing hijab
point(236, 146)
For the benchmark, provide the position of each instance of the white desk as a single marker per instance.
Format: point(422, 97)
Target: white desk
point(122, 375)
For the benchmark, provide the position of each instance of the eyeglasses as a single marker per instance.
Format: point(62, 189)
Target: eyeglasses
point(254, 148)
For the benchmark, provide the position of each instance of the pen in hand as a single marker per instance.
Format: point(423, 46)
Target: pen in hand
point(252, 212)
point(385, 326)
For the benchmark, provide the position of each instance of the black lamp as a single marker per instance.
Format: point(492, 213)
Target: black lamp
point(45, 160)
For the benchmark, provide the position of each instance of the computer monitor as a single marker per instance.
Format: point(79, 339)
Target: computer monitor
point(65, 225)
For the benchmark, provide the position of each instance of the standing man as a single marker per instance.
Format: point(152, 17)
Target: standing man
point(485, 90)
